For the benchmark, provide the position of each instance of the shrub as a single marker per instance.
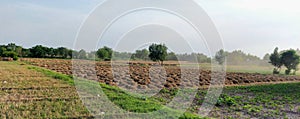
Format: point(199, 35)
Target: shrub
point(10, 54)
point(287, 72)
point(275, 71)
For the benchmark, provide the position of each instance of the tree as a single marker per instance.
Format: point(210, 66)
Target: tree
point(38, 51)
point(142, 54)
point(105, 53)
point(158, 52)
point(64, 52)
point(2, 49)
point(50, 52)
point(276, 61)
point(290, 60)
point(266, 57)
point(18, 50)
point(25, 52)
point(10, 54)
point(172, 56)
point(71, 53)
point(203, 58)
point(11, 47)
point(82, 54)
point(220, 56)
point(91, 55)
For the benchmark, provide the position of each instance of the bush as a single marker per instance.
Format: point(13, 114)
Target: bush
point(275, 71)
point(287, 72)
point(10, 54)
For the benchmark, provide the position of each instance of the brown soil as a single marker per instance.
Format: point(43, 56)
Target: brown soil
point(146, 75)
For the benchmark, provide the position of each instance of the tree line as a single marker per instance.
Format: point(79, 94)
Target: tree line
point(155, 52)
point(238, 57)
point(158, 53)
point(290, 59)
point(14, 51)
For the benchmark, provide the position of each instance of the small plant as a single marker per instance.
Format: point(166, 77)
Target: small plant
point(226, 100)
point(251, 108)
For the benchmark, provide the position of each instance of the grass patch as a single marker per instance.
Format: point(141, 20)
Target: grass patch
point(52, 74)
point(139, 104)
point(129, 102)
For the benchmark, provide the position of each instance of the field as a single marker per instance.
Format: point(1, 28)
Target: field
point(26, 93)
point(139, 72)
point(32, 91)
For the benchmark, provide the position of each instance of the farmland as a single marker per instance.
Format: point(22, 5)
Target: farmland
point(44, 88)
point(26, 94)
point(139, 72)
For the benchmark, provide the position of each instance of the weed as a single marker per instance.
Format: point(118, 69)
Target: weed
point(225, 100)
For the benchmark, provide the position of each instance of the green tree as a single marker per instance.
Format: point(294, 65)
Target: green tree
point(38, 51)
point(172, 56)
point(25, 52)
point(10, 54)
point(2, 49)
point(276, 61)
point(50, 52)
point(142, 54)
point(201, 58)
point(64, 52)
point(105, 53)
point(11, 47)
point(18, 50)
point(290, 60)
point(70, 53)
point(220, 56)
point(158, 52)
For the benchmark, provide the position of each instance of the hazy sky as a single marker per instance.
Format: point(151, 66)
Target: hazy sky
point(254, 26)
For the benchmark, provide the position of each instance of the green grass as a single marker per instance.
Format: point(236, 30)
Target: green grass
point(53, 74)
point(131, 103)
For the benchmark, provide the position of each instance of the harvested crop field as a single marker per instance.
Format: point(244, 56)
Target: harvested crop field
point(139, 74)
point(26, 93)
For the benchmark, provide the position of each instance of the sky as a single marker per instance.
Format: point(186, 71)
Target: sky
point(253, 26)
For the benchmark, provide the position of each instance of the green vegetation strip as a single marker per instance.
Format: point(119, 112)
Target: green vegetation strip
point(55, 75)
